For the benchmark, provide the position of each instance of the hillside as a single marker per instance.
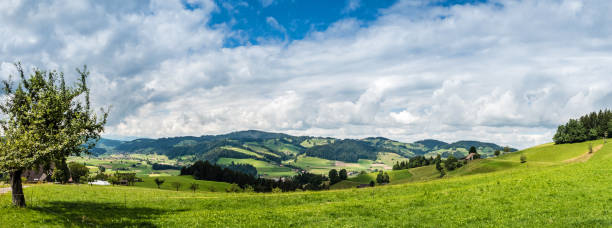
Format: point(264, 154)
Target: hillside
point(500, 192)
point(276, 154)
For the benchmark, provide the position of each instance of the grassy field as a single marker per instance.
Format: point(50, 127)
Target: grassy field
point(185, 181)
point(553, 194)
point(263, 168)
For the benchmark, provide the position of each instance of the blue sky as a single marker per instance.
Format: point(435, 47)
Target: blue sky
point(257, 21)
point(503, 71)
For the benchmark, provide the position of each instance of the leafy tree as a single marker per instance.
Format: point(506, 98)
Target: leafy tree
point(176, 185)
point(473, 150)
point(77, 170)
point(44, 120)
point(194, 186)
point(333, 176)
point(102, 169)
point(371, 183)
point(442, 173)
point(61, 173)
point(343, 174)
point(379, 177)
point(159, 182)
point(497, 153)
point(523, 158)
point(506, 149)
point(386, 178)
point(451, 163)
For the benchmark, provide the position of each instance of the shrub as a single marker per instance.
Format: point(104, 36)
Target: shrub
point(523, 158)
point(194, 187)
point(590, 148)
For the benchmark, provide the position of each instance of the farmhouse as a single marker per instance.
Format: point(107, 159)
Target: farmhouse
point(470, 157)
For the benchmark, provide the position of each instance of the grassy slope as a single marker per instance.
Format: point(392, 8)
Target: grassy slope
point(185, 181)
point(527, 195)
point(263, 168)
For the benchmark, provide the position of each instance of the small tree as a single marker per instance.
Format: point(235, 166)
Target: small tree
point(159, 182)
point(380, 177)
point(176, 185)
point(333, 176)
point(77, 170)
point(386, 178)
point(523, 158)
point(442, 173)
point(371, 183)
point(590, 148)
point(343, 174)
point(497, 153)
point(194, 187)
point(473, 150)
point(506, 149)
point(61, 173)
point(101, 169)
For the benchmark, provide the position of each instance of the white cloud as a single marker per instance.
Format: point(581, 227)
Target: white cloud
point(504, 74)
point(351, 5)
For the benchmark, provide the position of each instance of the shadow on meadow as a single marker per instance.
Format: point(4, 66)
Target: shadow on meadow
point(99, 214)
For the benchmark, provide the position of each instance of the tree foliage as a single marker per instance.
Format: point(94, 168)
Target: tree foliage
point(413, 162)
point(592, 126)
point(343, 174)
point(333, 176)
point(45, 120)
point(77, 170)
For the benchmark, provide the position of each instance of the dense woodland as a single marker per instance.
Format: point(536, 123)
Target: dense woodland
point(595, 125)
point(347, 150)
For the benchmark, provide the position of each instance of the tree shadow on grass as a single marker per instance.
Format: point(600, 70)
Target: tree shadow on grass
point(99, 214)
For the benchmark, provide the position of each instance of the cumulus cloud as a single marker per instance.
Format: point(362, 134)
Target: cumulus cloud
point(504, 71)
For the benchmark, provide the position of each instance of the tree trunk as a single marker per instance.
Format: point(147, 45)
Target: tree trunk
point(17, 189)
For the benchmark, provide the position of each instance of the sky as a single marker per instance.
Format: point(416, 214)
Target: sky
point(507, 72)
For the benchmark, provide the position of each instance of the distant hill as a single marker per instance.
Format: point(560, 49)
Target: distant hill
point(432, 143)
point(274, 149)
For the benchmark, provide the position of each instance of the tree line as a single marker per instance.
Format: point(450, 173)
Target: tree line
point(594, 125)
point(413, 162)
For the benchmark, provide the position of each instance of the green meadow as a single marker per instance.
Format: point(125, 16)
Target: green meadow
point(485, 193)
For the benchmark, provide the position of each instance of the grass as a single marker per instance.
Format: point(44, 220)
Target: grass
point(240, 150)
point(550, 153)
point(558, 194)
point(185, 181)
point(263, 168)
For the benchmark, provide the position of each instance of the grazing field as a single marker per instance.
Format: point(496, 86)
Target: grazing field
point(185, 183)
point(263, 168)
point(559, 194)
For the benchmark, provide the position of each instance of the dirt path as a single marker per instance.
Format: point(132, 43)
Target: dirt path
point(6, 190)
point(586, 156)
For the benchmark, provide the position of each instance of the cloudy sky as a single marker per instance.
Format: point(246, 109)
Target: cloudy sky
point(502, 71)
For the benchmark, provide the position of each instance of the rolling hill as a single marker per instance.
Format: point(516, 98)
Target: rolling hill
point(552, 189)
point(277, 154)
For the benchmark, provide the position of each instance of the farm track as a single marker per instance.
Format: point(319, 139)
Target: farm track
point(586, 156)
